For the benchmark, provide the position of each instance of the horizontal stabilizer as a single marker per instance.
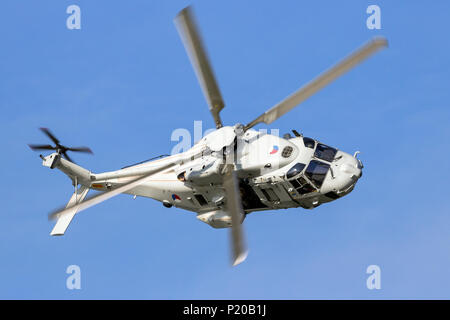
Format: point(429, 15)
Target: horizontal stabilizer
point(64, 220)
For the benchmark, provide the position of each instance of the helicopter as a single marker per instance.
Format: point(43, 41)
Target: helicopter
point(232, 171)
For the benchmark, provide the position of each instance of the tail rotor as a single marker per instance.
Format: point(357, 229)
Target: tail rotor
point(58, 147)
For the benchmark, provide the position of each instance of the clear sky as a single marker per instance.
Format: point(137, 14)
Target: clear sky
point(123, 83)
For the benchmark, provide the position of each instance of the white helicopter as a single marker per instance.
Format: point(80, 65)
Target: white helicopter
point(232, 171)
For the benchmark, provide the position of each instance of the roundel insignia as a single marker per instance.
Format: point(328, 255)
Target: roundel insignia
point(274, 150)
point(175, 197)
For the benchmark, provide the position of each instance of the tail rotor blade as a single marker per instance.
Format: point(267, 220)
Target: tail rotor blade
point(234, 207)
point(58, 147)
point(64, 153)
point(50, 135)
point(36, 147)
point(80, 149)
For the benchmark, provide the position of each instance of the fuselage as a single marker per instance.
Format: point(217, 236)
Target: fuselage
point(274, 173)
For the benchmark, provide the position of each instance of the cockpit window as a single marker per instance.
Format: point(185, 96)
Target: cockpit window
point(308, 142)
point(295, 170)
point(316, 172)
point(325, 152)
point(302, 186)
point(306, 186)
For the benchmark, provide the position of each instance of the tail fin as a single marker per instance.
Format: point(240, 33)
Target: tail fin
point(78, 174)
point(63, 221)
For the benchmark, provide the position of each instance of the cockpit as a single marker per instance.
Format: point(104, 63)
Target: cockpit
point(315, 174)
point(307, 178)
point(325, 152)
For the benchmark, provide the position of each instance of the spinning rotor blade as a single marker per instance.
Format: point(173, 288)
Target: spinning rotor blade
point(50, 135)
point(192, 41)
point(80, 149)
point(319, 82)
point(64, 153)
point(59, 148)
point(41, 147)
point(92, 201)
point(234, 207)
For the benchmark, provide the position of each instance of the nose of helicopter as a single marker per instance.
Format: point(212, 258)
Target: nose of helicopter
point(351, 168)
point(346, 170)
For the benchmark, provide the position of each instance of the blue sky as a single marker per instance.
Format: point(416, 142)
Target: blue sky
point(123, 83)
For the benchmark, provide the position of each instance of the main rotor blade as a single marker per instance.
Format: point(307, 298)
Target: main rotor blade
point(319, 82)
point(234, 207)
point(187, 28)
point(50, 135)
point(41, 147)
point(96, 199)
point(80, 149)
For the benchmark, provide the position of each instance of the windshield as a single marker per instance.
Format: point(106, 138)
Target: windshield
point(316, 172)
point(325, 152)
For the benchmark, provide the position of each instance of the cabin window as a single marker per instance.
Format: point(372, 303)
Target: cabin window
point(295, 184)
point(182, 176)
point(325, 152)
point(287, 151)
point(295, 170)
point(201, 199)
